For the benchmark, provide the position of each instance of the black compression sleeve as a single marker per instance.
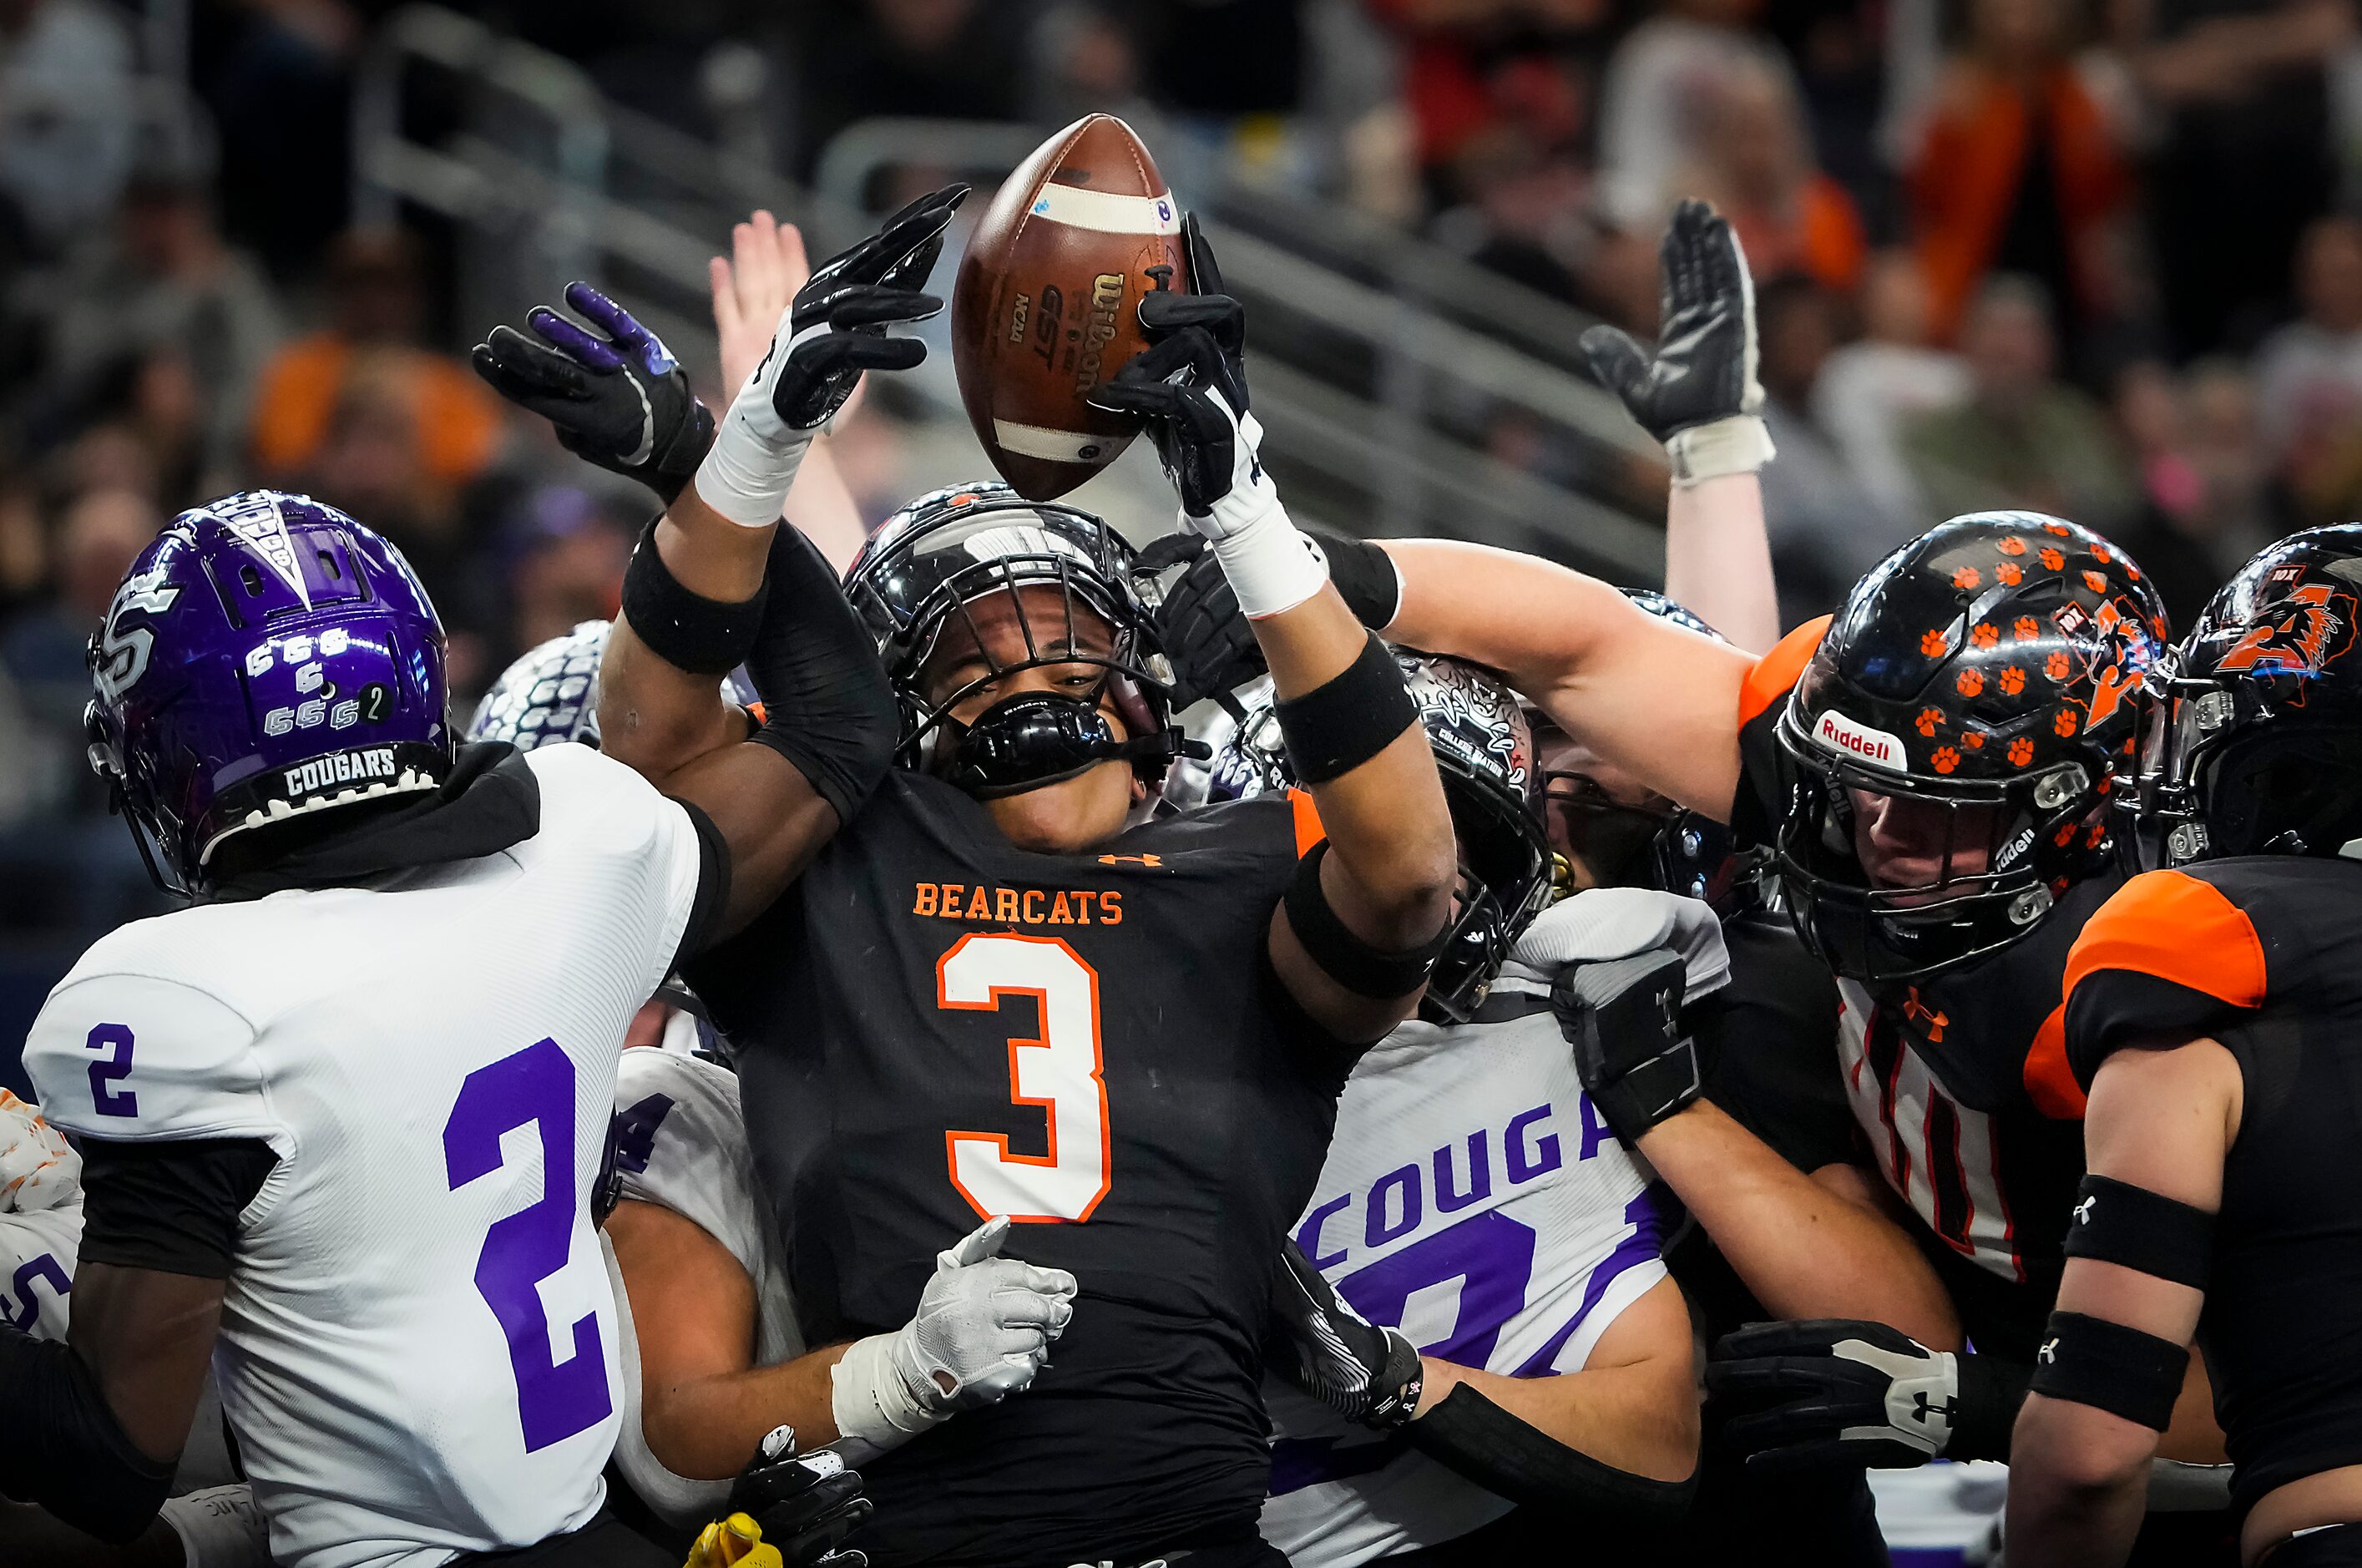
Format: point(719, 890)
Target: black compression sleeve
point(827, 706)
point(713, 886)
point(170, 1208)
point(1365, 577)
point(1992, 1390)
point(63, 1448)
point(1468, 1433)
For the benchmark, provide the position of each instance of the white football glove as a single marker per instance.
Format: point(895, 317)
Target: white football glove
point(984, 1329)
point(37, 1169)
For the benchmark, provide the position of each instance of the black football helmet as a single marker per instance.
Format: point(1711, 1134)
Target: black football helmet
point(1651, 842)
point(930, 564)
point(1484, 750)
point(1997, 667)
point(2261, 751)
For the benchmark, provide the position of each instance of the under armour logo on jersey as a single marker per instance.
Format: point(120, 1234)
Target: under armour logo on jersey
point(1150, 861)
point(2049, 1353)
point(2083, 1210)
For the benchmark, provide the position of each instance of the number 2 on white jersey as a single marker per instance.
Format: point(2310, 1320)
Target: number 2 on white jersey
point(1060, 1071)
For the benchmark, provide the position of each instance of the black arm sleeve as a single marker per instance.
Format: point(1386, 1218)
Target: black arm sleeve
point(1991, 1388)
point(169, 1208)
point(63, 1448)
point(712, 887)
point(827, 706)
point(1468, 1433)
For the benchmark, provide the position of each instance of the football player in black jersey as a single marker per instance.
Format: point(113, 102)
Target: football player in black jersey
point(1007, 994)
point(2215, 1013)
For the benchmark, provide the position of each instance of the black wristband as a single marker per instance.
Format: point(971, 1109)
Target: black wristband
point(1349, 719)
point(2090, 1361)
point(1364, 971)
point(1992, 1390)
point(688, 630)
point(2134, 1228)
point(1365, 578)
point(1468, 1433)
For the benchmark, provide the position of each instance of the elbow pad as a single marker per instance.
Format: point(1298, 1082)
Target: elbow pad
point(1470, 1434)
point(63, 1448)
point(827, 706)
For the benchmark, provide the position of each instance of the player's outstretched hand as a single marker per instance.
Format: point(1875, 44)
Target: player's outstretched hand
point(985, 1324)
point(1623, 1019)
point(1364, 1373)
point(836, 327)
point(786, 1510)
point(1697, 393)
point(1832, 1392)
point(1191, 387)
point(38, 1170)
point(617, 396)
point(752, 286)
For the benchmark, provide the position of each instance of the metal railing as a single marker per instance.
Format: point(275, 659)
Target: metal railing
point(1386, 411)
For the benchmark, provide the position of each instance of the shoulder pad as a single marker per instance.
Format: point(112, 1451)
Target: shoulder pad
point(137, 1057)
point(2169, 954)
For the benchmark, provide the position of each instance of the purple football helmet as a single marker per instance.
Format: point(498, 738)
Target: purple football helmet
point(266, 657)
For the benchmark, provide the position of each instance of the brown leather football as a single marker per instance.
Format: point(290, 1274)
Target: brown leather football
point(1047, 305)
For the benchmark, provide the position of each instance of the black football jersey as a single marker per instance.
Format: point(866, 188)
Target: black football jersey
point(2259, 954)
point(1959, 1083)
point(935, 1026)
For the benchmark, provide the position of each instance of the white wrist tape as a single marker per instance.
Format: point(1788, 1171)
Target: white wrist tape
point(751, 465)
point(870, 1398)
point(219, 1528)
point(1737, 444)
point(1272, 564)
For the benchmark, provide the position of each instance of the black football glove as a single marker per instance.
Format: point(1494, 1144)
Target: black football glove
point(1211, 646)
point(1364, 1372)
point(1698, 394)
point(1623, 1018)
point(1834, 1392)
point(836, 327)
point(801, 1505)
point(617, 396)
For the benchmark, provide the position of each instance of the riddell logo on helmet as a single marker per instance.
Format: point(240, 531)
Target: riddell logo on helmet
point(1841, 734)
point(345, 767)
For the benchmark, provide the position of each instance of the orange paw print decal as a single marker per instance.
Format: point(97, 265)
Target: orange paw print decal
point(1973, 739)
point(2065, 722)
point(2021, 752)
point(2009, 574)
point(2027, 628)
point(2100, 554)
point(2095, 583)
point(1944, 760)
point(1986, 634)
point(1929, 719)
point(2051, 560)
point(1966, 577)
point(2064, 836)
point(2013, 680)
point(1971, 682)
point(2059, 528)
point(2057, 666)
point(2012, 545)
point(1933, 644)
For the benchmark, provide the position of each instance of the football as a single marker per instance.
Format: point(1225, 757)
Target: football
point(1047, 304)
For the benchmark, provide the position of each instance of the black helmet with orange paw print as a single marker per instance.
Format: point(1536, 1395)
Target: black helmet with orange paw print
point(1959, 738)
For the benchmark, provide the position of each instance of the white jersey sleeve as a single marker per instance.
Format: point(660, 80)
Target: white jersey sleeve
point(680, 1144)
point(120, 1053)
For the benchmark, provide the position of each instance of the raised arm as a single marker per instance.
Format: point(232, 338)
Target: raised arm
point(714, 583)
point(2162, 1120)
point(1354, 940)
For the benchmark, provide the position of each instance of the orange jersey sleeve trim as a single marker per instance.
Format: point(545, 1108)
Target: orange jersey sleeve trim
point(1777, 672)
point(2177, 928)
point(1308, 831)
point(2049, 1081)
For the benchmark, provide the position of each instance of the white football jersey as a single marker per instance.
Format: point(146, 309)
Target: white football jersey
point(418, 1345)
point(1473, 1198)
point(680, 1144)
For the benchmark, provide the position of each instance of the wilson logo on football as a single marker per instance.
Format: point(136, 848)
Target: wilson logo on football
point(1841, 734)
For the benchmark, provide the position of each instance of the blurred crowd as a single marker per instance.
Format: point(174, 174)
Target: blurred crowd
point(2091, 255)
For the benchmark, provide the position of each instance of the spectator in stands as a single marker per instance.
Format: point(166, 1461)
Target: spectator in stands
point(967, 60)
point(2204, 493)
point(1826, 530)
point(2308, 374)
point(42, 648)
point(2018, 170)
point(67, 115)
point(277, 76)
point(1872, 388)
point(376, 306)
point(1657, 97)
point(2022, 439)
point(1756, 166)
point(568, 551)
point(2248, 156)
point(157, 295)
point(1471, 67)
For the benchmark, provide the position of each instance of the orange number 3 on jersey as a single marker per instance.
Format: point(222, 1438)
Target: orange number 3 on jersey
point(1060, 1071)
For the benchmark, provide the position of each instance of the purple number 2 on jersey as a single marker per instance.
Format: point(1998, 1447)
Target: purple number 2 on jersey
point(105, 1099)
point(535, 1087)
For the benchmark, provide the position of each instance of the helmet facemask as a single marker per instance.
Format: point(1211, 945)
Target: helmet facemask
point(1505, 879)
